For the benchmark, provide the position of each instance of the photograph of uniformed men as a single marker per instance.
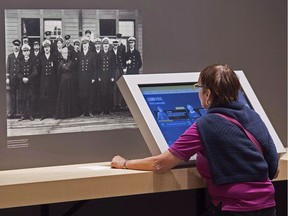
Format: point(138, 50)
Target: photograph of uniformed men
point(68, 78)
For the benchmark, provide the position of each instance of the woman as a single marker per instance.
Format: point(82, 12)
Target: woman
point(238, 175)
point(66, 100)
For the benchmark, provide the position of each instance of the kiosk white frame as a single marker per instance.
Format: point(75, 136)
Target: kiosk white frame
point(129, 86)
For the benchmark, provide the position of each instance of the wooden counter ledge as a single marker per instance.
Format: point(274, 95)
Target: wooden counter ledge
point(35, 186)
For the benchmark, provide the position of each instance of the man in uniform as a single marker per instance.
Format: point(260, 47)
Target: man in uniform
point(35, 57)
point(97, 89)
point(74, 56)
point(86, 78)
point(121, 46)
point(119, 57)
point(98, 45)
point(27, 74)
point(47, 36)
point(12, 79)
point(91, 44)
point(133, 57)
point(35, 54)
point(47, 72)
point(68, 43)
point(106, 77)
point(25, 39)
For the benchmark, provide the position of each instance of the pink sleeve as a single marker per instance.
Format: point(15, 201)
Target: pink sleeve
point(188, 144)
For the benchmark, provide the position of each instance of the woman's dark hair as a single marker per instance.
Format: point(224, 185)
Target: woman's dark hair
point(223, 83)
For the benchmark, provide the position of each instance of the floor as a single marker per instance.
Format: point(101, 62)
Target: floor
point(116, 120)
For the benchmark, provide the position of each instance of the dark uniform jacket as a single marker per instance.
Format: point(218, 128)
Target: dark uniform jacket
point(136, 61)
point(85, 73)
point(36, 78)
point(96, 57)
point(120, 61)
point(27, 70)
point(92, 46)
point(122, 49)
point(35, 58)
point(107, 65)
point(106, 76)
point(47, 71)
point(58, 56)
point(13, 69)
point(74, 56)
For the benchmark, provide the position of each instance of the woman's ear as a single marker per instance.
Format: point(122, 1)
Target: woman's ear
point(207, 96)
point(208, 93)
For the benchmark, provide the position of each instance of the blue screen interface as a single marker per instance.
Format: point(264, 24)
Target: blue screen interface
point(175, 107)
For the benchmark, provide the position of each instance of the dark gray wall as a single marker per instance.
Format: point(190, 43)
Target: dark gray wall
point(178, 36)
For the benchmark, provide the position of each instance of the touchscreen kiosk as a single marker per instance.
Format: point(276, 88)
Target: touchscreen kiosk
point(165, 105)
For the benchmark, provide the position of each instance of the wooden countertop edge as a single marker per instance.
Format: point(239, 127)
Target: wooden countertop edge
point(45, 185)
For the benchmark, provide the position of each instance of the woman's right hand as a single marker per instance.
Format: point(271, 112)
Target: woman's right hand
point(118, 162)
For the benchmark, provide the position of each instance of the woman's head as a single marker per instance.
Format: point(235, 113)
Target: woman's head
point(64, 53)
point(220, 85)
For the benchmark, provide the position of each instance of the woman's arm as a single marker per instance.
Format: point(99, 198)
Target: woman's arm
point(159, 163)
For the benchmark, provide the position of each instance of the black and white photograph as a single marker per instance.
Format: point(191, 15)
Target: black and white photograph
point(62, 66)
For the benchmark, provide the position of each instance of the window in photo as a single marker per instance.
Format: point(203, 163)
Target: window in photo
point(53, 25)
point(30, 27)
point(107, 27)
point(127, 28)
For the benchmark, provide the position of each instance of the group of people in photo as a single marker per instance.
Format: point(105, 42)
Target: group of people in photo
point(63, 79)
